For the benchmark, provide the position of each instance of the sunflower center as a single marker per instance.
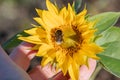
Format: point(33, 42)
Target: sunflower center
point(68, 40)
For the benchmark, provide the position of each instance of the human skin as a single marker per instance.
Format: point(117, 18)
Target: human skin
point(14, 66)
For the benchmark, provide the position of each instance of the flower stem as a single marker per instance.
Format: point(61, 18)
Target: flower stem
point(98, 68)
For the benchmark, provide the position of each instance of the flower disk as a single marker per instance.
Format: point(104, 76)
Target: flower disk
point(64, 38)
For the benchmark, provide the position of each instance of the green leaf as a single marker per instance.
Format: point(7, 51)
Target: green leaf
point(77, 5)
point(110, 58)
point(110, 35)
point(104, 21)
point(14, 41)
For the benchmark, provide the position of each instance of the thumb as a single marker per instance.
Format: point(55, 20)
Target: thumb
point(23, 54)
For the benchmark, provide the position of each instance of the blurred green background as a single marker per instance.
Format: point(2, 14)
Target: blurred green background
point(17, 15)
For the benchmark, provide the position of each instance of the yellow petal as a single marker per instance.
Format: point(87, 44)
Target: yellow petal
point(82, 28)
point(43, 49)
point(66, 64)
point(71, 14)
point(40, 21)
point(73, 71)
point(70, 10)
point(63, 13)
point(79, 58)
point(95, 57)
point(68, 31)
point(39, 11)
point(80, 21)
point(36, 47)
point(51, 53)
point(46, 60)
point(31, 39)
point(80, 18)
point(51, 7)
point(60, 57)
point(51, 20)
point(91, 24)
point(41, 32)
point(35, 25)
point(94, 48)
point(38, 31)
point(83, 13)
point(91, 50)
point(31, 31)
point(89, 33)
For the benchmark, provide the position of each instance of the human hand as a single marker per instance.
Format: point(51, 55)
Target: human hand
point(22, 56)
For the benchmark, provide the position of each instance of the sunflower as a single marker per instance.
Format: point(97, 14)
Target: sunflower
point(63, 38)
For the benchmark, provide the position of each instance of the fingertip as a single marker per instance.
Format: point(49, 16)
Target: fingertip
point(26, 45)
point(86, 72)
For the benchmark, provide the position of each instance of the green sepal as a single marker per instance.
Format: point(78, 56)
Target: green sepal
point(77, 5)
point(14, 41)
